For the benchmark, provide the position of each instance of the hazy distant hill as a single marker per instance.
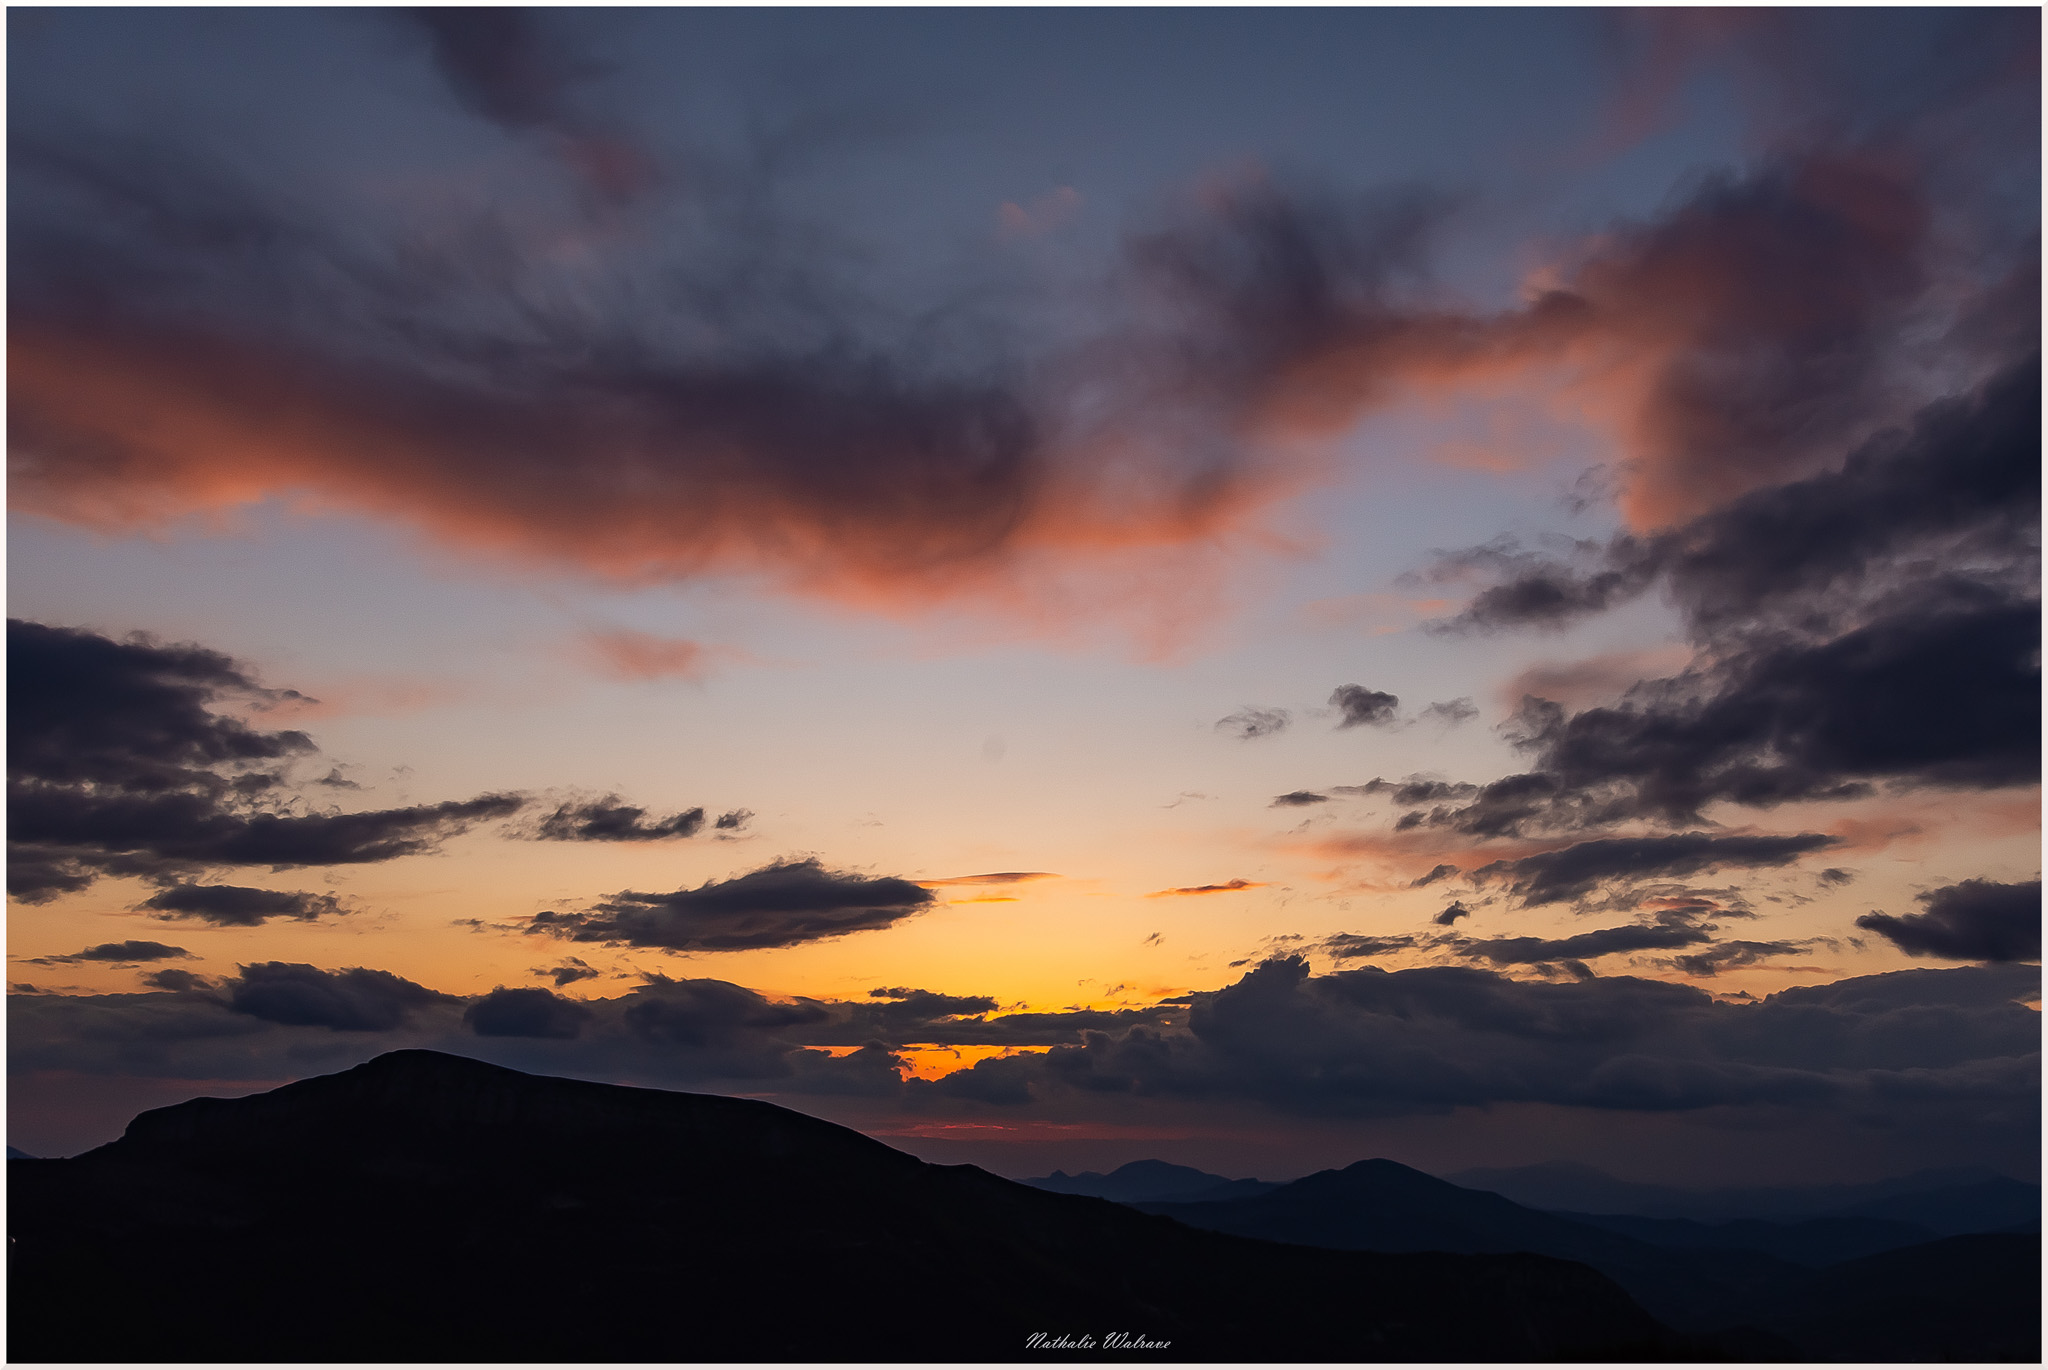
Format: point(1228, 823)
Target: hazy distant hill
point(424, 1207)
point(1994, 1205)
point(1151, 1182)
point(1978, 1198)
point(1381, 1205)
point(1808, 1241)
point(1975, 1298)
point(1742, 1297)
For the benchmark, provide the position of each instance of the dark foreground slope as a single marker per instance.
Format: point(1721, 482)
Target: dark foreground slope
point(424, 1207)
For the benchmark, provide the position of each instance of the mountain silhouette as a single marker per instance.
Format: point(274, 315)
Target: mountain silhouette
point(1382, 1205)
point(1807, 1241)
point(425, 1207)
point(1748, 1302)
point(1973, 1298)
point(1567, 1186)
point(1151, 1182)
point(1998, 1204)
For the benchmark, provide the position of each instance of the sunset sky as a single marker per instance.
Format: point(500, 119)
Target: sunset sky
point(1252, 587)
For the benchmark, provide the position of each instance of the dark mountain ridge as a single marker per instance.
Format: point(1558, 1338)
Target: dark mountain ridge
point(1382, 1205)
point(1151, 1182)
point(1566, 1186)
point(1809, 1241)
point(1750, 1301)
point(424, 1207)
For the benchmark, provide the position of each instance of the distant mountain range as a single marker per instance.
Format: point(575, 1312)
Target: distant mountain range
point(425, 1207)
point(1150, 1182)
point(433, 1208)
point(1954, 1201)
point(1843, 1287)
point(1813, 1223)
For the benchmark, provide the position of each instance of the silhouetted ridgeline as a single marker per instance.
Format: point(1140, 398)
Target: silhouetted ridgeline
point(424, 1207)
point(1844, 1287)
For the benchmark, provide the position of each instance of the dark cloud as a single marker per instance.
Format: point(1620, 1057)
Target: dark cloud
point(1729, 955)
point(525, 1013)
point(119, 953)
point(779, 905)
point(736, 395)
point(610, 819)
point(1583, 946)
point(177, 981)
point(1362, 707)
point(1295, 799)
point(499, 63)
point(1535, 591)
point(1944, 689)
point(1976, 920)
point(733, 402)
point(1441, 871)
point(1248, 723)
point(1346, 946)
point(169, 836)
point(1227, 887)
point(1771, 304)
point(1948, 1045)
point(1875, 623)
point(1416, 789)
point(120, 764)
point(571, 970)
point(733, 820)
point(924, 1004)
point(905, 1017)
point(1370, 1042)
point(1573, 872)
point(711, 1013)
point(1962, 483)
point(354, 1000)
point(240, 905)
point(1451, 712)
point(278, 1022)
point(1043, 1029)
point(1835, 875)
point(137, 716)
point(518, 69)
point(1451, 914)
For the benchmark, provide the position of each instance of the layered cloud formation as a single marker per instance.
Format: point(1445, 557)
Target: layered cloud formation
point(1816, 376)
point(185, 341)
point(125, 758)
point(779, 905)
point(1911, 1051)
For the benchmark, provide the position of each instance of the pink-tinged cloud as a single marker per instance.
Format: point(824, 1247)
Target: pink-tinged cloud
point(1417, 853)
point(624, 654)
point(1592, 680)
point(1659, 51)
point(1377, 613)
point(1735, 341)
point(1742, 340)
point(1054, 209)
point(992, 878)
point(1227, 887)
